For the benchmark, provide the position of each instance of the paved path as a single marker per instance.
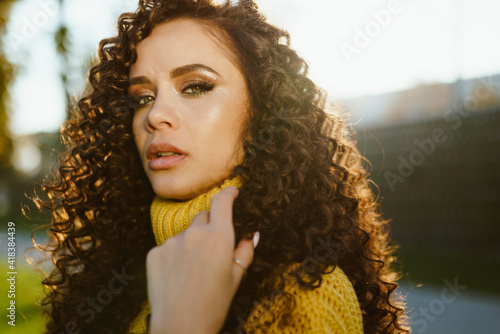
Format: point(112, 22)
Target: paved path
point(452, 309)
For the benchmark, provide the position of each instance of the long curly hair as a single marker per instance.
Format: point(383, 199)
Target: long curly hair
point(304, 186)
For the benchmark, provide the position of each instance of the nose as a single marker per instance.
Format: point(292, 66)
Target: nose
point(163, 114)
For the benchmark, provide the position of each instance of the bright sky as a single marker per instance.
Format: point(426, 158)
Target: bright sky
point(354, 48)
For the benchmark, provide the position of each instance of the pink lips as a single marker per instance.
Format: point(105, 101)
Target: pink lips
point(158, 163)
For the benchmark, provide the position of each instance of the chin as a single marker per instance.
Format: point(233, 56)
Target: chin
point(174, 194)
point(174, 191)
point(184, 192)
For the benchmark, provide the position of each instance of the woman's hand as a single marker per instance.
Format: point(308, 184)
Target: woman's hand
point(192, 277)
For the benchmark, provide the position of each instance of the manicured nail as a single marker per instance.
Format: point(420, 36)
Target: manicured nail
point(256, 237)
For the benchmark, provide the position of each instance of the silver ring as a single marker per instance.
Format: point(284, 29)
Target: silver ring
point(240, 263)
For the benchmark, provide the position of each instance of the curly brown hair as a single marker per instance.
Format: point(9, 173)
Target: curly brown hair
point(304, 186)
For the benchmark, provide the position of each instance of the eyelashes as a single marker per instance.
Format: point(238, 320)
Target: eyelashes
point(143, 99)
point(197, 88)
point(191, 90)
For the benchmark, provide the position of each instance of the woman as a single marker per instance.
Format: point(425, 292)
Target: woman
point(191, 100)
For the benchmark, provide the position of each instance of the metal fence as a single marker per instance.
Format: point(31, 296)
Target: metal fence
point(439, 181)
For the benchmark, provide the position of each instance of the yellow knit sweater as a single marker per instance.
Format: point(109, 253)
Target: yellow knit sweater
point(331, 308)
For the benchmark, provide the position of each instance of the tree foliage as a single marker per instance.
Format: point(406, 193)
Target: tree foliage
point(6, 75)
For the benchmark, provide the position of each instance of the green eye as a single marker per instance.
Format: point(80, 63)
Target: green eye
point(145, 100)
point(194, 90)
point(198, 88)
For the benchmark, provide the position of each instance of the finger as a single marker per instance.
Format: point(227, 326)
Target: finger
point(200, 219)
point(221, 207)
point(244, 254)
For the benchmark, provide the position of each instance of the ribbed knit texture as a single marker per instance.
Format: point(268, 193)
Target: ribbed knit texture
point(169, 217)
point(331, 308)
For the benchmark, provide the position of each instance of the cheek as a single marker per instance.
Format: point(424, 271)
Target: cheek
point(219, 140)
point(139, 134)
point(231, 139)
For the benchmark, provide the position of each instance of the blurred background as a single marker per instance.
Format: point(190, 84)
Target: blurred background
point(419, 79)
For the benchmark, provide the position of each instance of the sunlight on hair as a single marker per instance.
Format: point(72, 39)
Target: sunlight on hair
point(354, 49)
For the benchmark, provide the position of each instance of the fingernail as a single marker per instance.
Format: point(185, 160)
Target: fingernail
point(233, 187)
point(256, 237)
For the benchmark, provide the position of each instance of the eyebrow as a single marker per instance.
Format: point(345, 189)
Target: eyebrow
point(139, 81)
point(176, 72)
point(191, 68)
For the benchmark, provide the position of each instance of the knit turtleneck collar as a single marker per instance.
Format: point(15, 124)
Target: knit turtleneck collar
point(170, 217)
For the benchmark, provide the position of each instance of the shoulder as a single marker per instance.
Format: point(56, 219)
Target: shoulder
point(333, 305)
point(330, 308)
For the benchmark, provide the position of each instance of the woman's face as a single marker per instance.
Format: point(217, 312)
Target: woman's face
point(192, 106)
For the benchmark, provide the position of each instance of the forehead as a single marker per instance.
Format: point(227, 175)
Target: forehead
point(185, 40)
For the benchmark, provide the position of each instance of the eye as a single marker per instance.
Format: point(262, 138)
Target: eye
point(197, 88)
point(138, 102)
point(145, 99)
